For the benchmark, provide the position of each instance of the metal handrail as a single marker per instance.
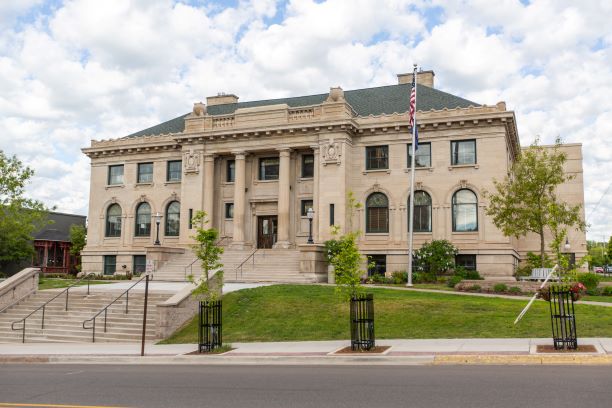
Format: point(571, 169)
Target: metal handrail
point(190, 266)
point(251, 255)
point(44, 305)
point(105, 309)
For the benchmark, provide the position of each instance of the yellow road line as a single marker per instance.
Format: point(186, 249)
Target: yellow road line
point(12, 404)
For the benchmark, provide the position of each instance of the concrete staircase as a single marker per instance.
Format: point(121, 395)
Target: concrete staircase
point(269, 265)
point(266, 265)
point(66, 326)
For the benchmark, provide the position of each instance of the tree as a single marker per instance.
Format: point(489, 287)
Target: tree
point(78, 239)
point(436, 257)
point(609, 251)
point(209, 254)
point(526, 200)
point(20, 217)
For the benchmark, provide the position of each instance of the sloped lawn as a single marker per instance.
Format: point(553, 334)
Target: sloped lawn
point(303, 312)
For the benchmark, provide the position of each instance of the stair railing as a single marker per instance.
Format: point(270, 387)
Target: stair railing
point(190, 266)
point(44, 305)
point(105, 309)
point(239, 267)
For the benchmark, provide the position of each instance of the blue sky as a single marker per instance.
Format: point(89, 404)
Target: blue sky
point(72, 71)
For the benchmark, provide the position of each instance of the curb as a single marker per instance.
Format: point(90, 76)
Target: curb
point(429, 359)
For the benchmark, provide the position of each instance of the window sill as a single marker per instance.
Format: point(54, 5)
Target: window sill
point(377, 234)
point(147, 184)
point(172, 182)
point(407, 170)
point(462, 166)
point(265, 181)
point(303, 179)
point(465, 232)
point(109, 186)
point(142, 237)
point(227, 183)
point(173, 237)
point(388, 171)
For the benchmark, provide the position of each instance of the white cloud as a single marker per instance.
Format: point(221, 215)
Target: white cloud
point(102, 69)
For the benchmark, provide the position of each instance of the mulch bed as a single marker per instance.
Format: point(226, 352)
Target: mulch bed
point(587, 348)
point(217, 351)
point(373, 350)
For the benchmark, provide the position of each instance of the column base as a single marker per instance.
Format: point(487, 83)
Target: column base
point(282, 245)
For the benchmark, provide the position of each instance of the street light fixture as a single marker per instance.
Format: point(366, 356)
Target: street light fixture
point(310, 216)
point(567, 244)
point(158, 218)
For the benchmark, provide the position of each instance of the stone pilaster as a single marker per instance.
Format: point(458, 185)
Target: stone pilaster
point(315, 195)
point(239, 200)
point(209, 187)
point(283, 198)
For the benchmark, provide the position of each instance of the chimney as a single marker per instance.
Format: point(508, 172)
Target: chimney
point(423, 78)
point(221, 99)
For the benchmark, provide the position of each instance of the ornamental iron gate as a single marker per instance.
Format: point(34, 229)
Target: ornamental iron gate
point(563, 318)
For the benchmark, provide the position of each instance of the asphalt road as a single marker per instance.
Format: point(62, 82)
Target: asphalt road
point(304, 386)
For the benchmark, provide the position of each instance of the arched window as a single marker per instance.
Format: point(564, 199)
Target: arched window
point(142, 227)
point(377, 213)
point(173, 216)
point(422, 212)
point(113, 221)
point(465, 211)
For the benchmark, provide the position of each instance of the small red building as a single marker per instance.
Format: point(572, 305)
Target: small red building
point(52, 244)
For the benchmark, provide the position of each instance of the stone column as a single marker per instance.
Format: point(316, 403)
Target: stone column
point(315, 195)
point(209, 187)
point(239, 200)
point(283, 199)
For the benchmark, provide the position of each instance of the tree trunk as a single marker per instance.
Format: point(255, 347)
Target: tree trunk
point(541, 247)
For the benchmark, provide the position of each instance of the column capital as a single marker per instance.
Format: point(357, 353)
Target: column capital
point(284, 151)
point(315, 147)
point(209, 156)
point(239, 154)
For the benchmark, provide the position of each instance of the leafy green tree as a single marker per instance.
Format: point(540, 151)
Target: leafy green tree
point(78, 239)
point(526, 200)
point(609, 251)
point(20, 217)
point(209, 288)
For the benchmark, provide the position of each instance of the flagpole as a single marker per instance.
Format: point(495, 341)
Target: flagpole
point(411, 199)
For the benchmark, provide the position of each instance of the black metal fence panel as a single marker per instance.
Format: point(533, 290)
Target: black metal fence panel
point(563, 318)
point(362, 322)
point(209, 329)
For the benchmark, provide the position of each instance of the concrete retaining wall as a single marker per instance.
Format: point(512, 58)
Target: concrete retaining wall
point(18, 287)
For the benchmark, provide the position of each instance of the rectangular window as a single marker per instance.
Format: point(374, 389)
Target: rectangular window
point(229, 210)
point(307, 165)
point(145, 172)
point(466, 261)
point(190, 218)
point(377, 157)
point(140, 264)
point(331, 214)
point(463, 152)
point(422, 157)
point(377, 264)
point(174, 170)
point(110, 264)
point(304, 206)
point(268, 168)
point(230, 171)
point(115, 174)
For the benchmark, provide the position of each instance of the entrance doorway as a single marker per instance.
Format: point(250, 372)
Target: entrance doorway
point(266, 231)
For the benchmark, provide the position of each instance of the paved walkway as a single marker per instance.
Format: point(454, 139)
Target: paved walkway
point(156, 287)
point(423, 351)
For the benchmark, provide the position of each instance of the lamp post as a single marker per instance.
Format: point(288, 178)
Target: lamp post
point(310, 216)
point(567, 244)
point(158, 218)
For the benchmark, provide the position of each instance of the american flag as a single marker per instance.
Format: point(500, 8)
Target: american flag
point(413, 111)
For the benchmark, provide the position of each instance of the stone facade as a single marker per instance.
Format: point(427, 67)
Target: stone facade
point(245, 163)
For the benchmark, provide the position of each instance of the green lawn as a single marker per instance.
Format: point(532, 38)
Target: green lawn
point(55, 283)
point(292, 312)
point(597, 298)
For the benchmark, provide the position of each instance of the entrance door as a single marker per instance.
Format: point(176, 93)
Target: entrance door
point(266, 231)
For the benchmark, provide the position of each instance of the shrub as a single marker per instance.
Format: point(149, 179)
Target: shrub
point(423, 277)
point(474, 288)
point(515, 290)
point(378, 278)
point(399, 277)
point(467, 273)
point(436, 257)
point(589, 280)
point(606, 291)
point(594, 292)
point(500, 287)
point(453, 280)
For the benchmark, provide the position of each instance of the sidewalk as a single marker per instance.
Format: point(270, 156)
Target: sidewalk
point(401, 352)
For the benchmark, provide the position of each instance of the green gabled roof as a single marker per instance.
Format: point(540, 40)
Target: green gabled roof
point(369, 101)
